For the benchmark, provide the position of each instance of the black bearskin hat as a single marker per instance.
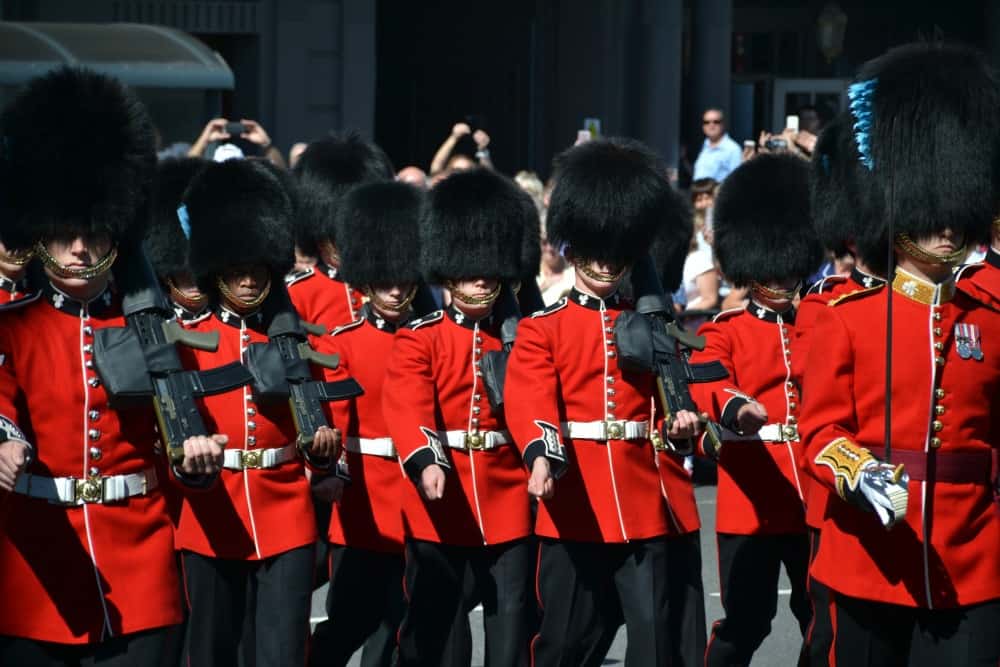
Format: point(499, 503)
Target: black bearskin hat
point(761, 220)
point(611, 199)
point(166, 241)
point(836, 168)
point(927, 131)
point(378, 234)
point(326, 170)
point(240, 215)
point(77, 157)
point(477, 224)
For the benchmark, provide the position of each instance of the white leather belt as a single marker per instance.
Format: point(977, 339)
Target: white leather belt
point(767, 433)
point(478, 440)
point(76, 491)
point(242, 459)
point(371, 446)
point(615, 429)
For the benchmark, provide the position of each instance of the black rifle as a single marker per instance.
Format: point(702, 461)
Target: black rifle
point(282, 370)
point(649, 340)
point(494, 363)
point(140, 360)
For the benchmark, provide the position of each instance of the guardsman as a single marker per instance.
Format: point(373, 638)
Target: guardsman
point(380, 252)
point(247, 545)
point(85, 537)
point(466, 513)
point(764, 241)
point(910, 538)
point(835, 217)
point(325, 172)
point(584, 426)
point(13, 274)
point(166, 242)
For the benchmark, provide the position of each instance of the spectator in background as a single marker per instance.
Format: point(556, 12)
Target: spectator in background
point(447, 160)
point(413, 175)
point(254, 140)
point(701, 279)
point(719, 153)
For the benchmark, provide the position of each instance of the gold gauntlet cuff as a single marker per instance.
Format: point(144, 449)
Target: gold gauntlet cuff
point(846, 460)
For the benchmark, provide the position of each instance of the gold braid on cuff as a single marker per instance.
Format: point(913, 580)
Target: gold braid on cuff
point(86, 273)
point(17, 257)
point(242, 304)
point(403, 306)
point(582, 265)
point(473, 300)
point(846, 460)
point(907, 245)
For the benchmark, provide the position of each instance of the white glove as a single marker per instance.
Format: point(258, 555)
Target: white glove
point(884, 489)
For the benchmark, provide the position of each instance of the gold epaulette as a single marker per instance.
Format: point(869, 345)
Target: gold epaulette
point(856, 294)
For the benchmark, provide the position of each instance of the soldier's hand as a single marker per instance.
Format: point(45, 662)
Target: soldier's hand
point(326, 442)
point(540, 484)
point(432, 482)
point(13, 459)
point(203, 454)
point(328, 489)
point(686, 424)
point(883, 488)
point(751, 417)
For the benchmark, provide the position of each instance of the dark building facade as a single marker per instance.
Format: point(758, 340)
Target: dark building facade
point(530, 71)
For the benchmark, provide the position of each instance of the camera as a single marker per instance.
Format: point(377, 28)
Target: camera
point(236, 129)
point(776, 144)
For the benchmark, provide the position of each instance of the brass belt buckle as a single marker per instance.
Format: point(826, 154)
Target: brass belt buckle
point(475, 441)
point(90, 490)
point(251, 458)
point(790, 432)
point(614, 430)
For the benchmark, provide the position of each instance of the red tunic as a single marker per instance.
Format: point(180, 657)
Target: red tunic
point(433, 384)
point(810, 308)
point(564, 368)
point(760, 488)
point(251, 514)
point(947, 551)
point(983, 280)
point(321, 298)
point(369, 515)
point(12, 290)
point(78, 574)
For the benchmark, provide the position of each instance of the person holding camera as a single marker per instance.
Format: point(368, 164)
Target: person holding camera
point(220, 130)
point(447, 160)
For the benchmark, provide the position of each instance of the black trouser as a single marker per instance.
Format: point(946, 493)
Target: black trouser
point(819, 637)
point(224, 596)
point(749, 567)
point(577, 584)
point(435, 630)
point(139, 649)
point(364, 605)
point(874, 634)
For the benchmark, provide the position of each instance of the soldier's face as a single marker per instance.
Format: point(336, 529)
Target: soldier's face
point(473, 289)
point(597, 277)
point(391, 301)
point(78, 253)
point(185, 284)
point(247, 283)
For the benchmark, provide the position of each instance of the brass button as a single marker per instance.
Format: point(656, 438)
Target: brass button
point(939, 410)
point(790, 384)
point(939, 346)
point(611, 392)
point(251, 440)
point(245, 338)
point(475, 422)
point(251, 412)
point(94, 382)
point(96, 454)
point(610, 380)
point(94, 471)
point(793, 420)
point(89, 363)
point(477, 397)
point(937, 426)
point(792, 405)
point(88, 330)
point(939, 361)
point(937, 316)
point(609, 329)
point(88, 348)
point(479, 340)
point(476, 409)
point(94, 434)
point(611, 354)
point(252, 425)
point(937, 331)
point(612, 405)
point(939, 393)
point(94, 415)
point(935, 442)
point(607, 318)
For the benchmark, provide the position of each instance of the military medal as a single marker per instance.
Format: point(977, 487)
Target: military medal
point(967, 342)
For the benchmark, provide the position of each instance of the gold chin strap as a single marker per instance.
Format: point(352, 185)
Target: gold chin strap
point(599, 277)
point(17, 258)
point(403, 306)
point(473, 300)
point(775, 294)
point(185, 299)
point(86, 273)
point(907, 245)
point(242, 305)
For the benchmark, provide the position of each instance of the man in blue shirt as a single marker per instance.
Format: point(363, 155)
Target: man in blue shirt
point(719, 154)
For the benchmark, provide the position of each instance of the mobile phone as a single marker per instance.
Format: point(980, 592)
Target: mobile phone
point(749, 145)
point(792, 123)
point(236, 129)
point(582, 137)
point(776, 144)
